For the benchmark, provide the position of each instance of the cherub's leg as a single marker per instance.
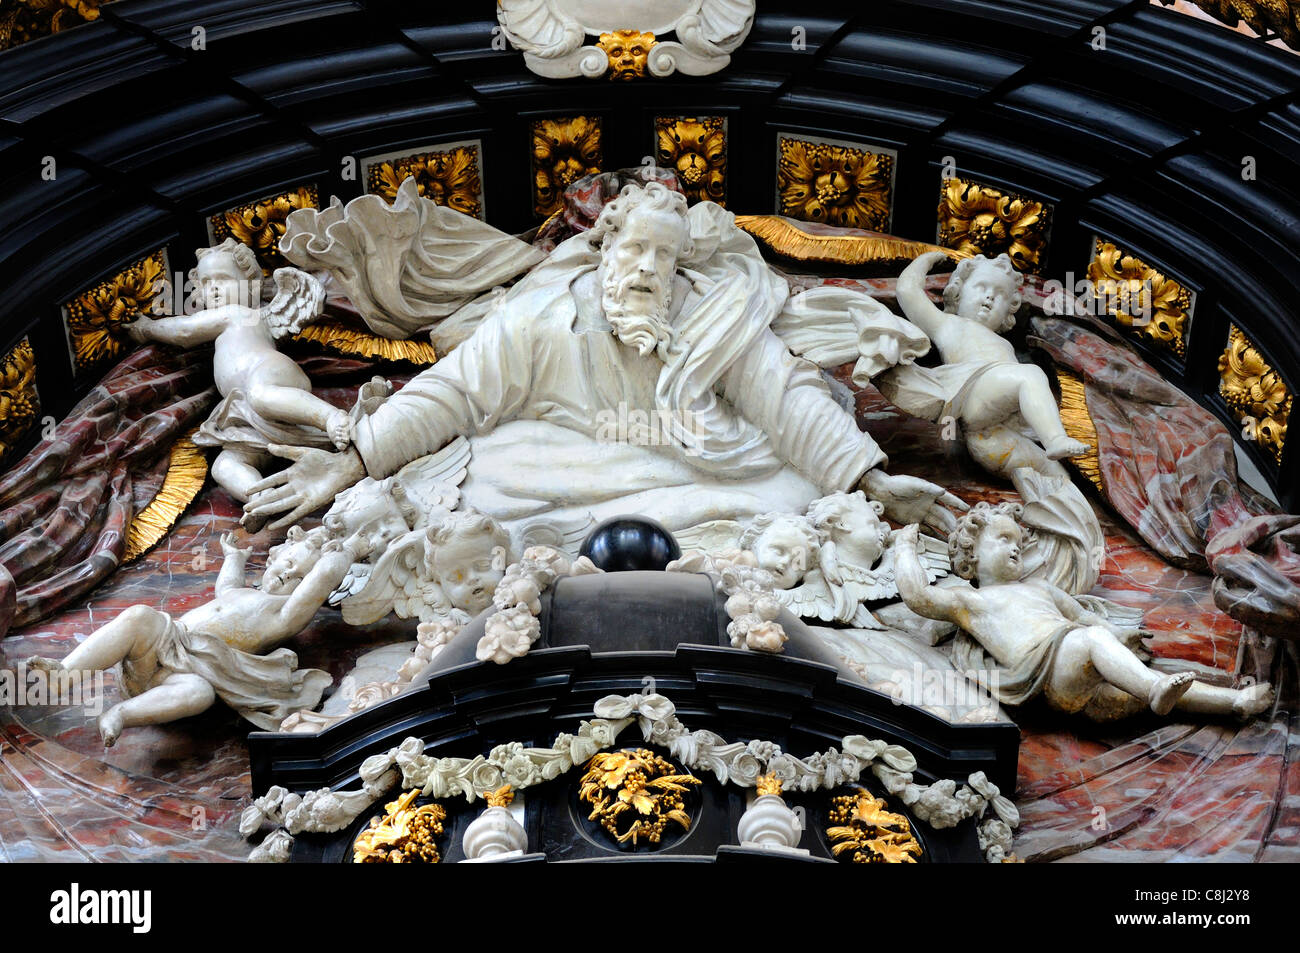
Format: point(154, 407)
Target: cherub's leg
point(237, 471)
point(1002, 450)
point(179, 696)
point(1023, 388)
point(1245, 702)
point(294, 406)
point(133, 633)
point(1112, 704)
point(1099, 648)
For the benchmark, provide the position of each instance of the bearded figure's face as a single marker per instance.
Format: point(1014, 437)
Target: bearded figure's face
point(639, 262)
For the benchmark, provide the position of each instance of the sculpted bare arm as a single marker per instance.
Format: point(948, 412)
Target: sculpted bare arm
point(933, 602)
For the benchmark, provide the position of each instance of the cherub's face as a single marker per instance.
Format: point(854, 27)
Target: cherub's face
point(469, 568)
point(998, 550)
point(986, 296)
point(782, 550)
point(374, 516)
point(287, 565)
point(220, 281)
point(861, 536)
point(384, 530)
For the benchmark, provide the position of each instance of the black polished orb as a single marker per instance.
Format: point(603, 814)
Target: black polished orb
point(628, 543)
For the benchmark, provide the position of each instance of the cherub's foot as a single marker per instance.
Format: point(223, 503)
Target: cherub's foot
point(110, 726)
point(1065, 447)
point(339, 428)
point(1166, 692)
point(1253, 700)
point(39, 663)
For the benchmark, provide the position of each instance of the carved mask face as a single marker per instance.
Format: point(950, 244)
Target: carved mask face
point(221, 282)
point(782, 550)
point(469, 568)
point(998, 551)
point(986, 296)
point(639, 263)
point(628, 52)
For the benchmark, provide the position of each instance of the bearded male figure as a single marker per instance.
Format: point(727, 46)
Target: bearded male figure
point(655, 309)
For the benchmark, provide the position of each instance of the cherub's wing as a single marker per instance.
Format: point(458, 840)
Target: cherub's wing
point(299, 300)
point(711, 537)
point(373, 597)
point(566, 535)
point(1069, 547)
point(932, 554)
point(812, 600)
point(432, 482)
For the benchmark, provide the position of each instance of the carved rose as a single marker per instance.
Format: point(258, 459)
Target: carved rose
point(745, 769)
point(766, 637)
point(508, 634)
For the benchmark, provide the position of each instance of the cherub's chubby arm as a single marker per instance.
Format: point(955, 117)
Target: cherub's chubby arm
point(933, 602)
point(335, 561)
point(232, 566)
point(916, 304)
point(189, 330)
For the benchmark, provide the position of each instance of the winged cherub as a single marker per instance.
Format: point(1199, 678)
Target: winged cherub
point(1042, 640)
point(267, 398)
point(1000, 402)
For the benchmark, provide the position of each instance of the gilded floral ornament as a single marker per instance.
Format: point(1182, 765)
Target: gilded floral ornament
point(980, 220)
point(1265, 17)
point(863, 828)
point(20, 406)
point(696, 149)
point(259, 225)
point(552, 34)
point(25, 20)
point(451, 178)
point(1140, 298)
point(1255, 393)
point(404, 835)
point(634, 794)
point(835, 184)
point(95, 317)
point(628, 52)
point(564, 150)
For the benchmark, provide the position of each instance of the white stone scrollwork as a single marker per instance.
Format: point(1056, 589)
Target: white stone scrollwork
point(552, 33)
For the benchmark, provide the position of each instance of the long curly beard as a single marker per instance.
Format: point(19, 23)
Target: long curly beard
point(645, 332)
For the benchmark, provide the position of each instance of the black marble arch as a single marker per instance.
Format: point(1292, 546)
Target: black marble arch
point(1142, 141)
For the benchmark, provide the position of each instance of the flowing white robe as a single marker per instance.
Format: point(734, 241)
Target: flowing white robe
point(539, 383)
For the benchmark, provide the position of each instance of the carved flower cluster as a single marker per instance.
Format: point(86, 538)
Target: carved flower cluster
point(511, 631)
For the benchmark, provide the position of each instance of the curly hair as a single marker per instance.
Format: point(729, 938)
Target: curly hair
point(761, 524)
point(652, 197)
point(1003, 263)
point(827, 512)
point(965, 538)
point(460, 524)
point(245, 262)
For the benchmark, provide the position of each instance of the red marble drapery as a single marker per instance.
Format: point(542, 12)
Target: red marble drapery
point(1169, 469)
point(65, 507)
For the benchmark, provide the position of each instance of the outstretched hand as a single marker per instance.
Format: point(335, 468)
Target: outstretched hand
point(909, 499)
point(312, 481)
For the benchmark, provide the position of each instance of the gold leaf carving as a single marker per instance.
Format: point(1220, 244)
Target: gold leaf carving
point(1255, 393)
point(95, 317)
point(862, 827)
point(628, 52)
point(786, 238)
point(1265, 17)
point(696, 149)
point(357, 342)
point(25, 20)
point(20, 406)
point(564, 150)
point(260, 224)
point(404, 835)
point(1078, 424)
point(835, 185)
point(452, 178)
point(634, 794)
point(981, 220)
point(186, 472)
point(1140, 298)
